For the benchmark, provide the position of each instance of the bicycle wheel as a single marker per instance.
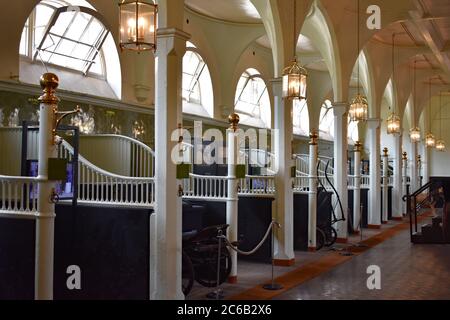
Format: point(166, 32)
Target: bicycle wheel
point(206, 272)
point(320, 239)
point(187, 274)
point(331, 237)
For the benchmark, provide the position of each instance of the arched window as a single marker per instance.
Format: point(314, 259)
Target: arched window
point(71, 36)
point(326, 123)
point(353, 134)
point(198, 95)
point(252, 101)
point(301, 118)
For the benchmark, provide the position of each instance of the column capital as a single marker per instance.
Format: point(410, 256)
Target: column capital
point(172, 32)
point(385, 152)
point(373, 123)
point(340, 108)
point(404, 156)
point(358, 146)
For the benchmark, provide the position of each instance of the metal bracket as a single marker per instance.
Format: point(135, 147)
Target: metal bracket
point(58, 116)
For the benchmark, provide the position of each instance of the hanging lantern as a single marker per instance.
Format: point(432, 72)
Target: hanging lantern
point(393, 124)
point(358, 108)
point(414, 134)
point(138, 22)
point(440, 145)
point(294, 81)
point(430, 140)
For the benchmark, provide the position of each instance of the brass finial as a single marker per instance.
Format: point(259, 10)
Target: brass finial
point(233, 119)
point(358, 146)
point(49, 83)
point(314, 136)
point(405, 156)
point(385, 152)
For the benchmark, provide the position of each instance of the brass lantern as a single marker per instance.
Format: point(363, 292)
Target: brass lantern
point(414, 134)
point(358, 108)
point(430, 140)
point(440, 145)
point(294, 81)
point(138, 22)
point(393, 124)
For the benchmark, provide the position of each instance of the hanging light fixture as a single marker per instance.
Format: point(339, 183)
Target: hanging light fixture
point(138, 22)
point(430, 140)
point(414, 133)
point(440, 144)
point(359, 107)
point(393, 121)
point(294, 76)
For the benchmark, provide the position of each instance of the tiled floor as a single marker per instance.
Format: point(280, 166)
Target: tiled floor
point(407, 272)
point(255, 274)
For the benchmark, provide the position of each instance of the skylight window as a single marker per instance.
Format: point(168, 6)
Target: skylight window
point(72, 39)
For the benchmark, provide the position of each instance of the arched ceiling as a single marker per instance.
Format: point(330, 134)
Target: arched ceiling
point(238, 11)
point(310, 56)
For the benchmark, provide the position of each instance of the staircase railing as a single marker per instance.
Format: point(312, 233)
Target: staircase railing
point(416, 201)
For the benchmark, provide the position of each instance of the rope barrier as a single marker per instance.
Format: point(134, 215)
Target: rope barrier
point(247, 253)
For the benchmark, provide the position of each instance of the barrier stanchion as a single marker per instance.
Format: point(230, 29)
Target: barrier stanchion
point(360, 244)
point(272, 285)
point(217, 294)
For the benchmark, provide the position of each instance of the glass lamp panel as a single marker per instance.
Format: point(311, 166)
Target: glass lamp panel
point(146, 23)
point(128, 29)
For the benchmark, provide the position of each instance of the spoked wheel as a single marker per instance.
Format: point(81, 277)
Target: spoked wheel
point(320, 239)
point(187, 280)
point(206, 271)
point(331, 237)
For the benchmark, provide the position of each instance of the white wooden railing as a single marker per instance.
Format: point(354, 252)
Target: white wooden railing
point(302, 165)
point(364, 182)
point(119, 154)
point(212, 188)
point(257, 186)
point(18, 196)
point(100, 187)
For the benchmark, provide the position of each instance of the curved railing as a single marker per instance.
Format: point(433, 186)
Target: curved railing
point(119, 154)
point(302, 165)
point(97, 186)
point(18, 196)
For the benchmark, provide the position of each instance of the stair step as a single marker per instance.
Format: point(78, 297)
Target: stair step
point(417, 237)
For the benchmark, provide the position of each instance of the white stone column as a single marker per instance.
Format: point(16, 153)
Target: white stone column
point(341, 166)
point(404, 180)
point(426, 165)
point(374, 218)
point(166, 261)
point(397, 191)
point(414, 170)
point(284, 197)
point(312, 194)
point(45, 221)
point(232, 199)
point(385, 215)
point(419, 171)
point(357, 189)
